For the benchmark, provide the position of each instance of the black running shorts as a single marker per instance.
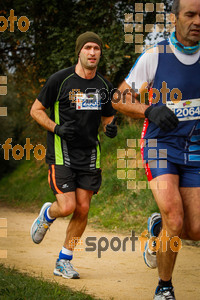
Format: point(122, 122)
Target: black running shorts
point(63, 179)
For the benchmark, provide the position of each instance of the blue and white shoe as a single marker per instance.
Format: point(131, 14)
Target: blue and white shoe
point(154, 220)
point(40, 225)
point(165, 293)
point(149, 255)
point(65, 269)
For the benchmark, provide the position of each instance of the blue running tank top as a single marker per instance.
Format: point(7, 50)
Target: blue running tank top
point(183, 81)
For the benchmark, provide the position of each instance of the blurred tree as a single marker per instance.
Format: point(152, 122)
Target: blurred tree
point(49, 43)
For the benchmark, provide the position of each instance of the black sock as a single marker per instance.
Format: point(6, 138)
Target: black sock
point(163, 283)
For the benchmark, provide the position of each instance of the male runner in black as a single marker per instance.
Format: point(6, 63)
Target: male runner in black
point(79, 98)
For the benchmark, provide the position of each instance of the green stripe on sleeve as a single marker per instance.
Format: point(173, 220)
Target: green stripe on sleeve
point(98, 160)
point(57, 140)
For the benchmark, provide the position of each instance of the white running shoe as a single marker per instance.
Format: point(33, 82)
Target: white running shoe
point(40, 225)
point(149, 255)
point(65, 269)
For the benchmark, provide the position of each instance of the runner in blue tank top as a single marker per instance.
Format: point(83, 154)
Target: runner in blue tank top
point(170, 74)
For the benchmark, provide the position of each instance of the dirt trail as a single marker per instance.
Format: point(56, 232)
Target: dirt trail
point(118, 275)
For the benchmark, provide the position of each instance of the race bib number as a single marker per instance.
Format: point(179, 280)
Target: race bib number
point(186, 110)
point(90, 101)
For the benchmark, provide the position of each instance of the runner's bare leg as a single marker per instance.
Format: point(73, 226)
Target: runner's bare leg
point(78, 221)
point(191, 204)
point(166, 192)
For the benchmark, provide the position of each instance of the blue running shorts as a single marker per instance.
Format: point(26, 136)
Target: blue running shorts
point(188, 176)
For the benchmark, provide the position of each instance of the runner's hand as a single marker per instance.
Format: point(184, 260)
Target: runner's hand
point(66, 131)
point(111, 129)
point(162, 116)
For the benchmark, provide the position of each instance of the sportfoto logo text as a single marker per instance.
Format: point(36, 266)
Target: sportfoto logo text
point(23, 23)
point(116, 244)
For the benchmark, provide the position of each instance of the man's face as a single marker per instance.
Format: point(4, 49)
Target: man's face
point(90, 55)
point(188, 22)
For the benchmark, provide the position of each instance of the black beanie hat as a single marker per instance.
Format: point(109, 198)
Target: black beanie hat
point(86, 37)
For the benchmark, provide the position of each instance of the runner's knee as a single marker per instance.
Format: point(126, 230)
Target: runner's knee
point(67, 208)
point(173, 223)
point(82, 209)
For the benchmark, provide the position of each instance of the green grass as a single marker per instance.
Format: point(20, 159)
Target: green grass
point(17, 286)
point(27, 185)
point(114, 207)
